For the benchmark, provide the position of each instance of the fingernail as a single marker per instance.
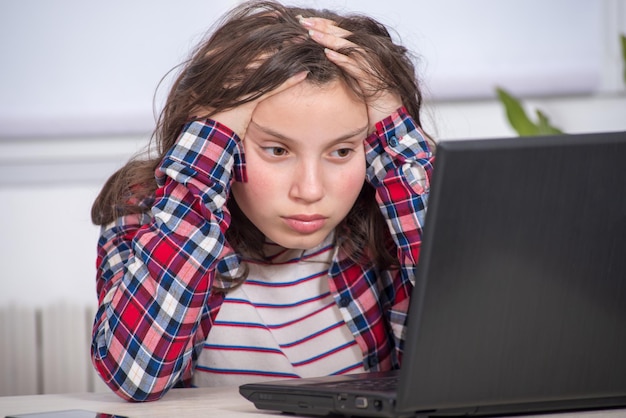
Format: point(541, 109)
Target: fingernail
point(305, 22)
point(330, 53)
point(315, 34)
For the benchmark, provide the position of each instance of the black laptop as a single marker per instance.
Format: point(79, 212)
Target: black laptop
point(520, 298)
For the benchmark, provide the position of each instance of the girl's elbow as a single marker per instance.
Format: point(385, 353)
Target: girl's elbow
point(121, 383)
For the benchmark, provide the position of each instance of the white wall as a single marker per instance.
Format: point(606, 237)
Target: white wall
point(72, 67)
point(66, 124)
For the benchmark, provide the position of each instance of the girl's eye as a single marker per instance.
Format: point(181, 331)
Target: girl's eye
point(275, 151)
point(342, 153)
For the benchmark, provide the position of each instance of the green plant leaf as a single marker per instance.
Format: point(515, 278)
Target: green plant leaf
point(544, 127)
point(516, 114)
point(520, 121)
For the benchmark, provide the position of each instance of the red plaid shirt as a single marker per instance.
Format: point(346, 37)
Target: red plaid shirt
point(157, 271)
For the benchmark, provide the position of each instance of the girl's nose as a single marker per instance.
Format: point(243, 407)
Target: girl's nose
point(307, 184)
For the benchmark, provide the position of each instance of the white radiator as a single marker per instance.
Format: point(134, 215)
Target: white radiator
point(46, 350)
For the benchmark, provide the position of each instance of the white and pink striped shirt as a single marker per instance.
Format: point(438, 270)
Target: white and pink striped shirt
point(282, 322)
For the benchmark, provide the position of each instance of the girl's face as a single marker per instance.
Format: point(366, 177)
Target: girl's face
point(305, 163)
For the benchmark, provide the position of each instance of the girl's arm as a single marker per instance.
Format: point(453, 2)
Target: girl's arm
point(156, 271)
point(155, 281)
point(399, 166)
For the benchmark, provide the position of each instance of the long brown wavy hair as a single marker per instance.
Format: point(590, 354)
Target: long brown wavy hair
point(254, 49)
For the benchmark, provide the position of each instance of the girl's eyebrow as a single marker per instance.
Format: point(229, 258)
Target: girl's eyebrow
point(282, 137)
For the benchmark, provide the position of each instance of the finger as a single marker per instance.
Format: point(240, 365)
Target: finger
point(325, 26)
point(330, 41)
point(349, 64)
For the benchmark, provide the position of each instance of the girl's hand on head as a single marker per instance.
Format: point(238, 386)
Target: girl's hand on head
point(238, 118)
point(382, 102)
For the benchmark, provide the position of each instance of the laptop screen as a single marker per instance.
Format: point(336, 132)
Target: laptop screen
point(520, 296)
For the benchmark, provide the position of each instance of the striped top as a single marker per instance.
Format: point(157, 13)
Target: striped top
point(282, 322)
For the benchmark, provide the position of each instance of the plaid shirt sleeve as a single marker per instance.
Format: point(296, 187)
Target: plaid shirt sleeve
point(400, 165)
point(375, 303)
point(156, 271)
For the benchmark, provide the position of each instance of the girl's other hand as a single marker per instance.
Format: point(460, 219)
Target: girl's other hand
point(382, 102)
point(238, 118)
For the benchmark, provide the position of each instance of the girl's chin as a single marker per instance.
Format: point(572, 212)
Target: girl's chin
point(306, 242)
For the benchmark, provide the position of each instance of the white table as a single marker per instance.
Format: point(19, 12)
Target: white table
point(184, 403)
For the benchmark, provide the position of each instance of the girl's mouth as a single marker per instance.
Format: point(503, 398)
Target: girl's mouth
point(305, 224)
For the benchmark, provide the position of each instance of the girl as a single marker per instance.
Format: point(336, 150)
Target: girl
point(277, 231)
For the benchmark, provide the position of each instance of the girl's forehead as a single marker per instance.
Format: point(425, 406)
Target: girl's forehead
point(333, 94)
point(309, 110)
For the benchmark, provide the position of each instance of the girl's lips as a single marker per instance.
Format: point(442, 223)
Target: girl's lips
point(305, 224)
